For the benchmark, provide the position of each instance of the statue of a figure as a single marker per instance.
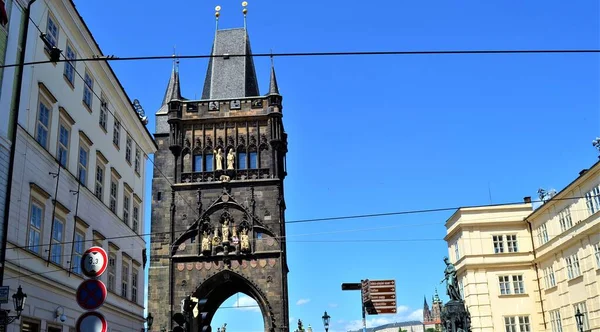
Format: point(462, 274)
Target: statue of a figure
point(205, 242)
point(230, 159)
point(218, 159)
point(234, 237)
point(245, 243)
point(451, 281)
point(225, 231)
point(224, 327)
point(216, 239)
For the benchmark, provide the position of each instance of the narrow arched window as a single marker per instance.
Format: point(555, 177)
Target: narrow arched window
point(197, 162)
point(208, 161)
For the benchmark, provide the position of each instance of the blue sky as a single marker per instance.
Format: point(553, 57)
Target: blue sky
point(371, 134)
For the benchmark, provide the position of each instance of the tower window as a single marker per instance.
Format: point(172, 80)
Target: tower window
point(208, 162)
point(242, 160)
point(198, 163)
point(253, 160)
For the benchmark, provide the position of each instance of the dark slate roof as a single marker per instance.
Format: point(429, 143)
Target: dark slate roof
point(233, 77)
point(273, 88)
point(173, 90)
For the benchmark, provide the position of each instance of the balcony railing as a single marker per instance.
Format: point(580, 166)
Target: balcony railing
point(215, 176)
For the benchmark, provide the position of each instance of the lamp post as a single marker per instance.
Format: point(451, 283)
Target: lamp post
point(326, 319)
point(149, 321)
point(579, 318)
point(19, 301)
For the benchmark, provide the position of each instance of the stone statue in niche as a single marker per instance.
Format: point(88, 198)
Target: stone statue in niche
point(234, 237)
point(216, 238)
point(205, 242)
point(225, 231)
point(245, 243)
point(213, 106)
point(230, 159)
point(218, 159)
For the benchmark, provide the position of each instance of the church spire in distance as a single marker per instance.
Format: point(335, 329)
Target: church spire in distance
point(273, 88)
point(173, 88)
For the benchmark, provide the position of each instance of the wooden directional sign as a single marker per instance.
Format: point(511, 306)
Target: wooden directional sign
point(385, 311)
point(91, 322)
point(382, 297)
point(94, 262)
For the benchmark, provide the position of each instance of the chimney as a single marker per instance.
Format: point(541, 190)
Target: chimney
point(527, 199)
point(583, 171)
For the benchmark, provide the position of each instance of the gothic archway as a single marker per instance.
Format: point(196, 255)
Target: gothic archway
point(224, 284)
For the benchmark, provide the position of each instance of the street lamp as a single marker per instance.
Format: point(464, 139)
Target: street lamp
point(326, 319)
point(19, 301)
point(149, 320)
point(579, 318)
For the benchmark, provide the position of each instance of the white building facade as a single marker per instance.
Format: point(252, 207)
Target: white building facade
point(78, 178)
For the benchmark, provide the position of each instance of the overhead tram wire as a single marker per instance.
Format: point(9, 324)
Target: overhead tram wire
point(322, 54)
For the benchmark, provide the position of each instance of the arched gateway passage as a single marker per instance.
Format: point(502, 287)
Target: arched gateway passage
point(222, 286)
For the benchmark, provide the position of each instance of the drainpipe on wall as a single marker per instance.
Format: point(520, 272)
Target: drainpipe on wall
point(12, 128)
point(537, 273)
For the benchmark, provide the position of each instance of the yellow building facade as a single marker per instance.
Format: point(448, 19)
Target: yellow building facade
point(523, 270)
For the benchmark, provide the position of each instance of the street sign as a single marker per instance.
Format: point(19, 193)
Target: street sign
point(351, 286)
point(94, 262)
point(381, 297)
point(91, 322)
point(4, 294)
point(386, 311)
point(375, 298)
point(383, 290)
point(378, 283)
point(384, 303)
point(91, 294)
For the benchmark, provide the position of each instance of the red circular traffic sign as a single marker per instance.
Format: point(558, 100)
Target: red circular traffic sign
point(91, 322)
point(94, 262)
point(91, 294)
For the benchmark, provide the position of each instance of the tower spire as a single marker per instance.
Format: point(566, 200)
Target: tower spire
point(173, 89)
point(273, 88)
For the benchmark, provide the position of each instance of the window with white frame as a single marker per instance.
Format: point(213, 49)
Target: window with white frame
point(69, 71)
point(555, 321)
point(511, 243)
point(549, 279)
point(597, 254)
point(518, 284)
point(572, 263)
point(82, 165)
point(64, 135)
point(78, 251)
point(52, 31)
point(114, 187)
point(592, 200)
point(138, 162)
point(34, 232)
point(134, 285)
point(99, 190)
point(564, 218)
point(57, 241)
point(135, 225)
point(103, 113)
point(511, 284)
point(128, 143)
point(504, 282)
point(542, 234)
point(582, 309)
point(112, 271)
point(126, 206)
point(124, 279)
point(517, 324)
point(42, 128)
point(88, 88)
point(498, 243)
point(117, 133)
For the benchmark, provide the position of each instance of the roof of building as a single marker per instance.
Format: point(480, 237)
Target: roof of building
point(173, 90)
point(230, 76)
point(387, 326)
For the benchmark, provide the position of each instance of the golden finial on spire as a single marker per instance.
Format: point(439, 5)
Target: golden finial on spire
point(245, 11)
point(217, 14)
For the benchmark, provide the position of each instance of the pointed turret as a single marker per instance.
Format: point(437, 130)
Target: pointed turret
point(173, 89)
point(273, 88)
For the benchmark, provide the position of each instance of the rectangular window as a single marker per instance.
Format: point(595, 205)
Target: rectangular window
point(511, 243)
point(253, 160)
point(128, 142)
point(592, 200)
point(555, 321)
point(117, 133)
point(198, 163)
point(573, 270)
point(208, 162)
point(43, 124)
point(88, 87)
point(504, 285)
point(63, 144)
point(124, 279)
point(114, 187)
point(498, 244)
point(582, 309)
point(597, 254)
point(99, 191)
point(70, 66)
point(30, 326)
point(524, 325)
point(36, 215)
point(542, 234)
point(103, 113)
point(134, 285)
point(456, 251)
point(112, 269)
point(78, 251)
point(82, 164)
point(564, 218)
point(549, 279)
point(510, 324)
point(242, 160)
point(136, 218)
point(57, 241)
point(137, 160)
point(52, 31)
point(126, 204)
point(518, 285)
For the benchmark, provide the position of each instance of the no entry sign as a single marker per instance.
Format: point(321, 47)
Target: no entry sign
point(94, 262)
point(91, 322)
point(91, 294)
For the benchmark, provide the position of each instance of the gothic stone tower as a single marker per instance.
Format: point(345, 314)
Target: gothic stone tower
point(218, 221)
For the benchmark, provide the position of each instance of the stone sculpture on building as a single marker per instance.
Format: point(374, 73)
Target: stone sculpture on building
point(455, 316)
